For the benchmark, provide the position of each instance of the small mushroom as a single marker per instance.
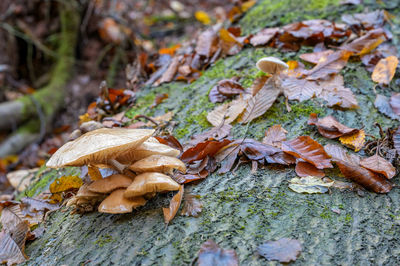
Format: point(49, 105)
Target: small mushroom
point(99, 146)
point(158, 163)
point(147, 148)
point(150, 182)
point(84, 200)
point(117, 203)
point(110, 183)
point(86, 194)
point(271, 65)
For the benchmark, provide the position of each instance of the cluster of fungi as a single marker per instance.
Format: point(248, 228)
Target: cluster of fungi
point(141, 161)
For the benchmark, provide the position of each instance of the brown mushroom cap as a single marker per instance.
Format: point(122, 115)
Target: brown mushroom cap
point(117, 203)
point(150, 182)
point(98, 146)
point(110, 183)
point(271, 65)
point(85, 193)
point(147, 148)
point(158, 163)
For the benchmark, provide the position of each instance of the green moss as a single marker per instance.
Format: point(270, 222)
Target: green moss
point(142, 105)
point(103, 240)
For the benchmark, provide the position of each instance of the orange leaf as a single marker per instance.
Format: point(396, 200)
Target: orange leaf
point(169, 213)
point(275, 135)
point(385, 69)
point(309, 150)
point(354, 141)
point(379, 165)
point(65, 183)
point(304, 169)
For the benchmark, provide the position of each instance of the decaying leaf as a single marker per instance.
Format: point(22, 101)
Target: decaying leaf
point(304, 169)
point(383, 105)
point(332, 65)
point(355, 141)
point(310, 185)
point(226, 113)
point(263, 36)
point(258, 104)
point(211, 254)
point(366, 43)
point(329, 127)
point(368, 21)
point(349, 165)
point(385, 69)
point(192, 205)
point(334, 92)
point(10, 253)
point(396, 140)
point(274, 136)
point(395, 103)
point(169, 213)
point(309, 150)
point(203, 149)
point(20, 179)
point(224, 89)
point(316, 57)
point(283, 250)
point(170, 141)
point(65, 183)
point(216, 133)
point(300, 89)
point(379, 165)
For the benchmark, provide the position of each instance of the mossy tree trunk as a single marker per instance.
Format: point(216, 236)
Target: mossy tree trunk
point(243, 209)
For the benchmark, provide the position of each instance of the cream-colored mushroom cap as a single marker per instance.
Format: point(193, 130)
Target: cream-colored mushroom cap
point(158, 163)
point(147, 148)
point(110, 183)
point(150, 182)
point(98, 146)
point(117, 203)
point(271, 65)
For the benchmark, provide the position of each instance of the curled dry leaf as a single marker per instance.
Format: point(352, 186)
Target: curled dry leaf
point(263, 36)
point(227, 113)
point(274, 136)
point(334, 92)
point(300, 89)
point(310, 185)
point(258, 104)
point(355, 141)
point(385, 69)
point(171, 71)
point(170, 141)
point(366, 43)
point(66, 183)
point(192, 205)
point(216, 133)
point(169, 213)
point(329, 127)
point(379, 165)
point(396, 140)
point(304, 169)
point(309, 150)
point(283, 250)
point(371, 20)
point(383, 106)
point(263, 153)
point(332, 65)
point(203, 149)
point(211, 254)
point(316, 57)
point(224, 89)
point(395, 104)
point(349, 165)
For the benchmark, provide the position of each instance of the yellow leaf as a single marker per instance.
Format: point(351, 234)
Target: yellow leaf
point(202, 17)
point(247, 5)
point(355, 141)
point(65, 183)
point(385, 69)
point(55, 198)
point(84, 118)
point(371, 46)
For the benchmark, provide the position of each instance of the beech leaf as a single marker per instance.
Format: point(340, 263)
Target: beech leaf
point(192, 205)
point(329, 127)
point(310, 185)
point(300, 89)
point(169, 213)
point(385, 69)
point(304, 169)
point(258, 104)
point(379, 165)
point(355, 141)
point(283, 250)
point(274, 136)
point(309, 150)
point(332, 65)
point(334, 92)
point(211, 254)
point(383, 105)
point(226, 113)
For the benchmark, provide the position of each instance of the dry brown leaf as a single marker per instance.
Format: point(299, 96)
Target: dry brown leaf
point(10, 253)
point(169, 213)
point(329, 127)
point(385, 69)
point(366, 43)
point(283, 250)
point(300, 89)
point(171, 71)
point(274, 136)
point(227, 113)
point(211, 254)
point(355, 141)
point(379, 165)
point(339, 153)
point(334, 92)
point(263, 36)
point(309, 150)
point(332, 65)
point(304, 169)
point(258, 104)
point(192, 205)
point(207, 43)
point(317, 57)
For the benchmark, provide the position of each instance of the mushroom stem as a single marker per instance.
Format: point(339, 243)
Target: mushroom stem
point(119, 166)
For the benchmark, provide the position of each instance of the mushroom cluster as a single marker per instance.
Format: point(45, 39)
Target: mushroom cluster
point(141, 161)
